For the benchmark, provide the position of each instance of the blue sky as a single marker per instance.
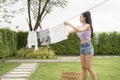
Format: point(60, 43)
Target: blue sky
point(105, 17)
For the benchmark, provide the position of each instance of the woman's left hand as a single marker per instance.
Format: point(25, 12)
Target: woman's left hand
point(66, 23)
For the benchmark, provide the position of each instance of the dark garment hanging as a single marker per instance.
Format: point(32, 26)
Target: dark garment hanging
point(44, 37)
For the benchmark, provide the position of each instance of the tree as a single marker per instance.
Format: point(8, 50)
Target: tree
point(8, 10)
point(40, 8)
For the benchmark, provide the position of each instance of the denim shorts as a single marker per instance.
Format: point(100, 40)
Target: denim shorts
point(86, 48)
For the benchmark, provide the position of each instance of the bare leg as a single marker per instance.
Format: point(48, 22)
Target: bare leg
point(84, 70)
point(88, 59)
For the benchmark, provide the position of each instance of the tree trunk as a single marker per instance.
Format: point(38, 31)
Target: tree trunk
point(40, 14)
point(38, 22)
point(29, 15)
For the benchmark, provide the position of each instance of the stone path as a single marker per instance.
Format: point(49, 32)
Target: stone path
point(22, 72)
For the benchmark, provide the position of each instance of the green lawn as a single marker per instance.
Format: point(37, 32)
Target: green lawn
point(106, 69)
point(5, 67)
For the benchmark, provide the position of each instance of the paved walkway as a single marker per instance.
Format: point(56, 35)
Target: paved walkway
point(59, 59)
point(22, 72)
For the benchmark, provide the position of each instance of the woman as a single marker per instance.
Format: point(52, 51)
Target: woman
point(85, 33)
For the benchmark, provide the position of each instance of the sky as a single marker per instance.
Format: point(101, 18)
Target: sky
point(105, 18)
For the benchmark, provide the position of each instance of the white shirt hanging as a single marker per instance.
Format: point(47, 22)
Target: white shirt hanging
point(32, 40)
point(58, 33)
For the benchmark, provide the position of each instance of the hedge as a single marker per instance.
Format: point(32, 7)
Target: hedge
point(8, 43)
point(71, 46)
point(22, 39)
point(109, 43)
point(104, 44)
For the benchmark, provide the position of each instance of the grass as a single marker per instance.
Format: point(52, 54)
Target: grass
point(106, 69)
point(5, 67)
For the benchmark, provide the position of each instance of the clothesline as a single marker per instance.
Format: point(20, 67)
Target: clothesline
point(54, 34)
point(59, 32)
point(48, 36)
point(97, 5)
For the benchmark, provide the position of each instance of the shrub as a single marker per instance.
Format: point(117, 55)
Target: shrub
point(115, 42)
point(42, 53)
point(4, 51)
point(21, 39)
point(104, 43)
point(8, 43)
point(94, 42)
point(104, 46)
point(71, 46)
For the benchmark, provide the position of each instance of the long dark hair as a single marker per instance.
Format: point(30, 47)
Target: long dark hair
point(87, 15)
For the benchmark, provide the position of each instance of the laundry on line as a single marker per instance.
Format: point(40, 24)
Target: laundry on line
point(53, 35)
point(48, 36)
point(44, 37)
point(58, 33)
point(32, 40)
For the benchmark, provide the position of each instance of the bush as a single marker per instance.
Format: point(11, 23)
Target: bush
point(42, 53)
point(71, 46)
point(94, 42)
point(104, 46)
point(115, 42)
point(8, 43)
point(22, 39)
point(108, 43)
point(4, 51)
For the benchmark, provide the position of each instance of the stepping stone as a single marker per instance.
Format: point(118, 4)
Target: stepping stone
point(16, 76)
point(14, 79)
point(24, 67)
point(19, 72)
point(28, 64)
point(22, 72)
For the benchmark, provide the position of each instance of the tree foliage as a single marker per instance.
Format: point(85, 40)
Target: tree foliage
point(40, 8)
point(9, 10)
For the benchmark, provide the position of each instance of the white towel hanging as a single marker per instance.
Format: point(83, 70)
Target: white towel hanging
point(58, 33)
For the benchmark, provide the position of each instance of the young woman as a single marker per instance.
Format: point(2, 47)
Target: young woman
point(85, 33)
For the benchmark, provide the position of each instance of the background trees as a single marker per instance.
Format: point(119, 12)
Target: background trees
point(40, 8)
point(36, 9)
point(8, 10)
